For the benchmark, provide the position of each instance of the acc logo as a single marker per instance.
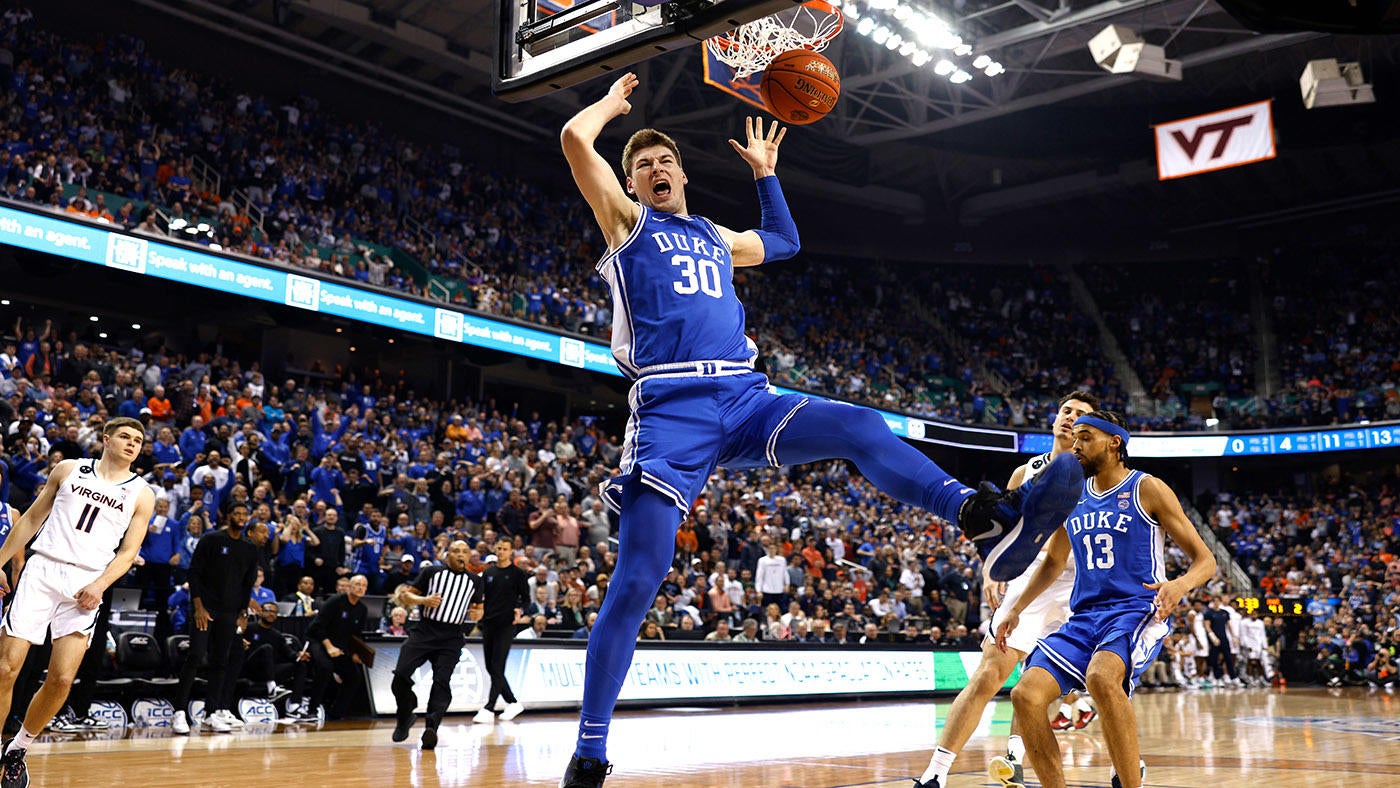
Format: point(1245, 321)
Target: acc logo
point(110, 712)
point(128, 253)
point(466, 679)
point(253, 710)
point(916, 429)
point(196, 712)
point(152, 713)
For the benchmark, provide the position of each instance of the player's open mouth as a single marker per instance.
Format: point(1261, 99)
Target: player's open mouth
point(661, 189)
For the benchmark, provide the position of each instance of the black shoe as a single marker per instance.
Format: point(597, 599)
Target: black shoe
point(931, 784)
point(1011, 527)
point(403, 723)
point(13, 771)
point(585, 773)
point(1142, 771)
point(429, 738)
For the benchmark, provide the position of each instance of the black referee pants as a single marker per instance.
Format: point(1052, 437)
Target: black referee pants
point(495, 641)
point(439, 645)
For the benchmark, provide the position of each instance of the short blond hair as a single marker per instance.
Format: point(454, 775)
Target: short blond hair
point(646, 138)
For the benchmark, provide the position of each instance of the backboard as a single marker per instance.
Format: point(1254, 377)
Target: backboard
point(547, 45)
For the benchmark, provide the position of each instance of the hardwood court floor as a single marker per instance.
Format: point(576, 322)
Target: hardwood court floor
point(1210, 739)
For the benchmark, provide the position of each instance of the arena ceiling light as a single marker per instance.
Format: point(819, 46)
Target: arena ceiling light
point(1120, 50)
point(1327, 83)
point(917, 34)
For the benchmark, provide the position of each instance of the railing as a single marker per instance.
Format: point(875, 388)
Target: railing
point(1235, 577)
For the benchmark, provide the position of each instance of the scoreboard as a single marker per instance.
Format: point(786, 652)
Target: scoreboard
point(1348, 439)
point(1286, 606)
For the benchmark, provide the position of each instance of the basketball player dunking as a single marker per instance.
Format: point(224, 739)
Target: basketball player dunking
point(94, 515)
point(1045, 616)
point(697, 403)
point(1121, 600)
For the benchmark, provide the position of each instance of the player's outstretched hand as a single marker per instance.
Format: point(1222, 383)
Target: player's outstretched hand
point(1168, 597)
point(89, 596)
point(761, 150)
point(623, 88)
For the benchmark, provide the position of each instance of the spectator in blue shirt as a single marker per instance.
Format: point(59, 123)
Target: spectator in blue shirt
point(326, 481)
point(192, 438)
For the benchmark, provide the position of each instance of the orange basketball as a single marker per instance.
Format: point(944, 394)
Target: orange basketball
point(800, 87)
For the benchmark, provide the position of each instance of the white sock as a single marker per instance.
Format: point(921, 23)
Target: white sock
point(939, 766)
point(1083, 705)
point(1016, 748)
point(1066, 710)
point(22, 740)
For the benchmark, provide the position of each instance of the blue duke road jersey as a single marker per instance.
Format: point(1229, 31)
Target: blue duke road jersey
point(1116, 546)
point(672, 284)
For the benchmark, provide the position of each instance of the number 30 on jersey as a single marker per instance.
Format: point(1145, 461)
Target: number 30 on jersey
point(701, 277)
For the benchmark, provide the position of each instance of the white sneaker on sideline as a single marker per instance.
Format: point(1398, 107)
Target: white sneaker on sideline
point(512, 711)
point(484, 717)
point(216, 723)
point(180, 725)
point(230, 718)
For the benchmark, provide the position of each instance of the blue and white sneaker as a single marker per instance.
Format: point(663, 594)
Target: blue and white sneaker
point(1011, 527)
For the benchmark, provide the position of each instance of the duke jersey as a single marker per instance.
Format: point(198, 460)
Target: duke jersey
point(1118, 546)
point(89, 518)
point(672, 284)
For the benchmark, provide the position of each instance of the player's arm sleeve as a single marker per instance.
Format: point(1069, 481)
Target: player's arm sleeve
point(776, 228)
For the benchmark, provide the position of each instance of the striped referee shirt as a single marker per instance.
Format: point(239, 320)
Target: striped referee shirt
point(459, 590)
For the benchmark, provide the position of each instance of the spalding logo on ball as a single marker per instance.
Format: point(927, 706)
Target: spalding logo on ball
point(800, 87)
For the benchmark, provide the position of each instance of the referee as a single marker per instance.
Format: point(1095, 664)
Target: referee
point(438, 638)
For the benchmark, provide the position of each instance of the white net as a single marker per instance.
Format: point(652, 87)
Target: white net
point(750, 48)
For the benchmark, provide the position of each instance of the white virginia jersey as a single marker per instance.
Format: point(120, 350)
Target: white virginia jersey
point(1065, 582)
point(89, 518)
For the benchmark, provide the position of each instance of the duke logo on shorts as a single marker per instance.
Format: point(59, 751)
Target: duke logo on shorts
point(1116, 550)
point(88, 521)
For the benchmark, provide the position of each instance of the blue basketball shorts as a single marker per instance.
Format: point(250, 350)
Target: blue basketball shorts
point(686, 423)
point(1131, 631)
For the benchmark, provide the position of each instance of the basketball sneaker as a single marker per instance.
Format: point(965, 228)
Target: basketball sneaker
point(429, 740)
point(217, 723)
point(180, 725)
point(484, 717)
point(585, 773)
point(934, 783)
point(14, 773)
point(1061, 722)
point(1008, 770)
point(512, 711)
point(1142, 772)
point(1083, 718)
point(402, 723)
point(1011, 527)
point(64, 722)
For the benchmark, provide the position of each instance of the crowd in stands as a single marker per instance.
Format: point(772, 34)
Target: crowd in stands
point(1338, 550)
point(111, 132)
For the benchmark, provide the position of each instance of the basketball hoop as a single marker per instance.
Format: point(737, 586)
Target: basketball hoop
point(750, 48)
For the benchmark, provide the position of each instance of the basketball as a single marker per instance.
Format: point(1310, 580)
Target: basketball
point(800, 87)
